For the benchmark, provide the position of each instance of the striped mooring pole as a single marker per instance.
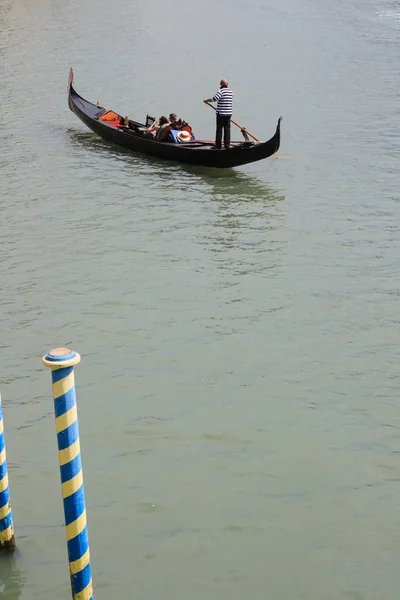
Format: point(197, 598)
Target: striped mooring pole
point(7, 539)
point(61, 362)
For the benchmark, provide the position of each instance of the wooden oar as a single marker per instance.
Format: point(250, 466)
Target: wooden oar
point(244, 131)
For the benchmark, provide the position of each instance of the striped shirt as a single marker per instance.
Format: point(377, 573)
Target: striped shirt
point(224, 100)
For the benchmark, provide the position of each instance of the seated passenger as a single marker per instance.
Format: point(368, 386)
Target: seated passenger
point(164, 127)
point(154, 129)
point(163, 134)
point(175, 124)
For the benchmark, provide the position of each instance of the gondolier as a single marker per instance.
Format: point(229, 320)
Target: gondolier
point(224, 100)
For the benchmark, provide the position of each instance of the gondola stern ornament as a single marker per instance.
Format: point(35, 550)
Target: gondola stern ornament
point(278, 129)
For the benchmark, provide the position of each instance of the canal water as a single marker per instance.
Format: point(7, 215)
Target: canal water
point(238, 390)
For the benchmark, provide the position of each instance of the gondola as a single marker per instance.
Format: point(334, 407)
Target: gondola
point(132, 134)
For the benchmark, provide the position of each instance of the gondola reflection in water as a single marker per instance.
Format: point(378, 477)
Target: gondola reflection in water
point(132, 135)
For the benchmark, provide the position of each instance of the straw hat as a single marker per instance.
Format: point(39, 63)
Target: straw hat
point(184, 136)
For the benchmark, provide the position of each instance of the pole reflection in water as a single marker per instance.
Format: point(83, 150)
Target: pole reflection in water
point(11, 580)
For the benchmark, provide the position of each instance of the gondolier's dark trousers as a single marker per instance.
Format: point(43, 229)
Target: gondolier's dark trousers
point(223, 123)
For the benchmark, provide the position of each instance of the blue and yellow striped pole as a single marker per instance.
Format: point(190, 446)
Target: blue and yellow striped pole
point(61, 362)
point(7, 539)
